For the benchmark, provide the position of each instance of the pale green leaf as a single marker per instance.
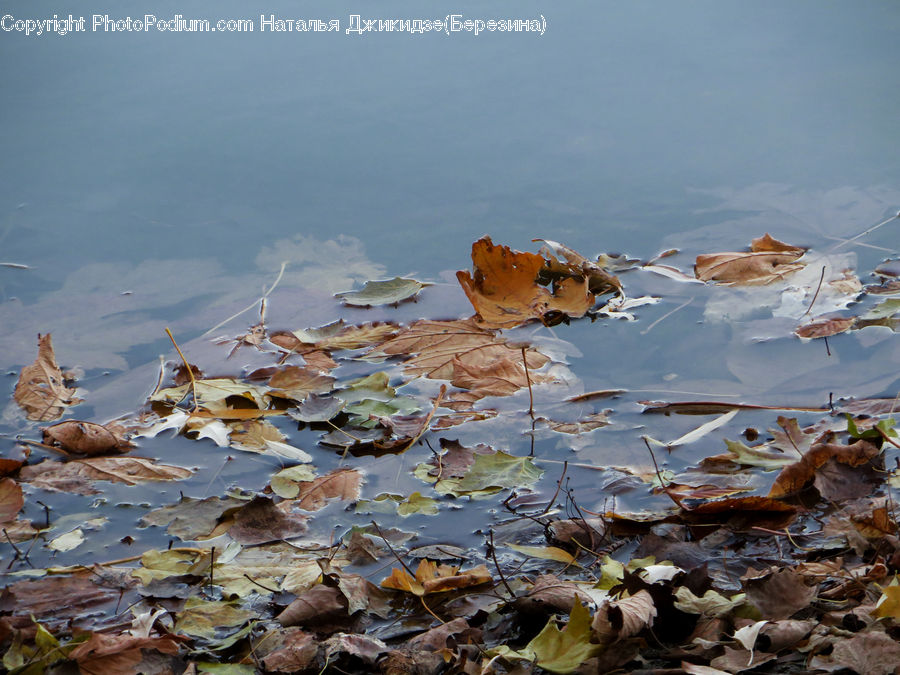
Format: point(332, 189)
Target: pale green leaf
point(382, 292)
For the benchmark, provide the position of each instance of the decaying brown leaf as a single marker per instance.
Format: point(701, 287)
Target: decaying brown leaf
point(11, 500)
point(105, 654)
point(467, 355)
point(504, 291)
point(619, 619)
point(778, 593)
point(435, 578)
point(260, 521)
point(342, 483)
point(795, 477)
point(41, 390)
point(78, 475)
point(825, 327)
point(768, 260)
point(87, 438)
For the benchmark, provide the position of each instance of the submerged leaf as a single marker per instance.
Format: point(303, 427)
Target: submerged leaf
point(41, 390)
point(388, 292)
point(77, 475)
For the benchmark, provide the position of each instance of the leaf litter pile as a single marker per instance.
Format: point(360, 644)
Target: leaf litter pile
point(603, 548)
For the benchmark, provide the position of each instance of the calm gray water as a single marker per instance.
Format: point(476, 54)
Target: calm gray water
point(182, 168)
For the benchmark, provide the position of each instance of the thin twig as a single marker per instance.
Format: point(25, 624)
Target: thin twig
point(497, 564)
point(252, 304)
point(865, 232)
point(424, 427)
point(558, 488)
point(528, 380)
point(190, 371)
point(818, 288)
point(253, 581)
point(662, 483)
point(667, 315)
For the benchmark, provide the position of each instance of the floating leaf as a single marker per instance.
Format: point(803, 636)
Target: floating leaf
point(414, 504)
point(213, 391)
point(11, 500)
point(68, 541)
point(78, 475)
point(823, 327)
point(388, 292)
point(86, 438)
point(504, 292)
point(488, 474)
point(41, 390)
point(296, 383)
point(312, 495)
point(435, 578)
point(759, 455)
point(545, 553)
point(767, 261)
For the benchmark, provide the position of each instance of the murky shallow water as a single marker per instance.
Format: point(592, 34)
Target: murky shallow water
point(173, 201)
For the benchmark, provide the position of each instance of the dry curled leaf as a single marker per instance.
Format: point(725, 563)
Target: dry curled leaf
point(504, 291)
point(41, 390)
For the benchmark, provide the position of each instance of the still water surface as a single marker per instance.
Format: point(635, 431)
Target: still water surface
point(160, 179)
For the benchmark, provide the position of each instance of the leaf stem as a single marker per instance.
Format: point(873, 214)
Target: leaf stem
point(190, 371)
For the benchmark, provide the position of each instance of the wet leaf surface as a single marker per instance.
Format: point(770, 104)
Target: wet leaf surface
point(573, 549)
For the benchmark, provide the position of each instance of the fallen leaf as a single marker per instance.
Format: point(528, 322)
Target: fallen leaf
point(296, 383)
point(11, 500)
point(105, 654)
point(488, 474)
point(778, 594)
point(825, 327)
point(68, 541)
point(78, 475)
point(214, 390)
point(41, 390)
point(260, 521)
point(205, 618)
point(768, 260)
point(465, 354)
point(741, 513)
point(600, 280)
point(435, 578)
point(763, 455)
point(504, 292)
point(388, 292)
point(866, 653)
point(317, 605)
point(342, 483)
point(618, 619)
point(192, 519)
point(549, 593)
point(86, 438)
point(294, 651)
point(794, 477)
point(583, 425)
point(555, 650)
point(562, 651)
point(545, 553)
